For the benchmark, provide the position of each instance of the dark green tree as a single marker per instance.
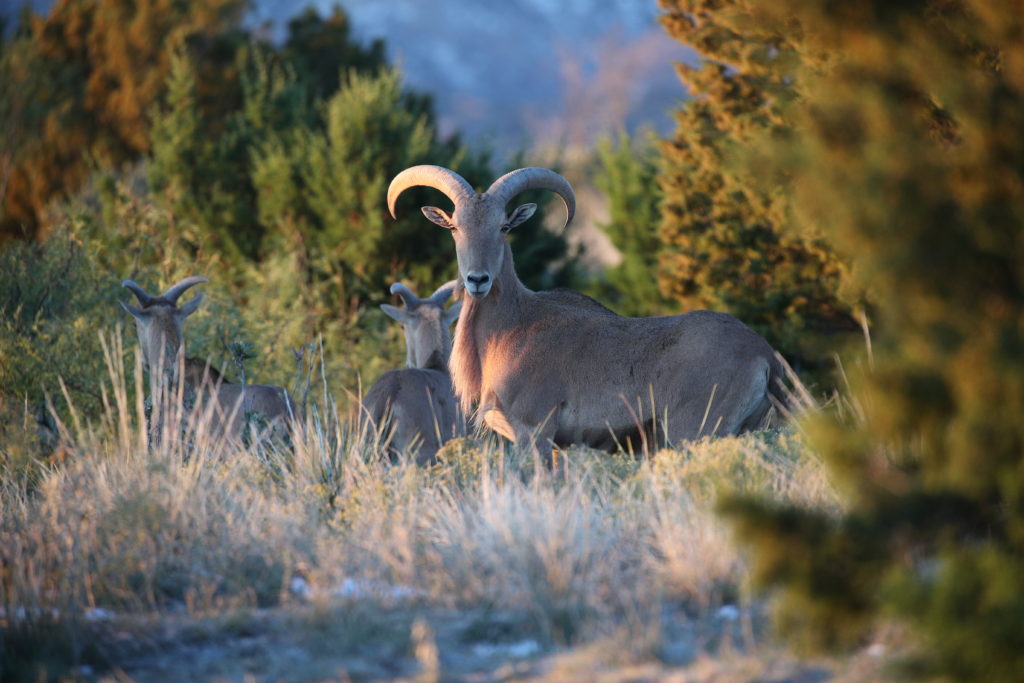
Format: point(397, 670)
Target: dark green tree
point(726, 238)
point(267, 168)
point(321, 50)
point(200, 160)
point(327, 186)
point(627, 175)
point(291, 182)
point(910, 159)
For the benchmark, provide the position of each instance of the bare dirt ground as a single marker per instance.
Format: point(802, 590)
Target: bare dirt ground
point(364, 642)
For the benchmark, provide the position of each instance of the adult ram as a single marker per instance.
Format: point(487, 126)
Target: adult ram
point(555, 368)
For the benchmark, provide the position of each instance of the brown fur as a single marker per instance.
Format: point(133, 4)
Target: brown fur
point(232, 402)
point(159, 326)
point(464, 365)
point(557, 367)
point(199, 371)
point(415, 408)
point(560, 367)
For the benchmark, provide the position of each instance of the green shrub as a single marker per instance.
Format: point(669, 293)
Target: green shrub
point(628, 176)
point(53, 302)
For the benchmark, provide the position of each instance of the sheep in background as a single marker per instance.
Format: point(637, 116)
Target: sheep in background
point(159, 326)
point(415, 407)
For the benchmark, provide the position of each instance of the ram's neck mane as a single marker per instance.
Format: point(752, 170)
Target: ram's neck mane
point(502, 307)
point(465, 362)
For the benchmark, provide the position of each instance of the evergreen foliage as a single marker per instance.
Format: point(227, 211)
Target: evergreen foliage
point(80, 82)
point(727, 237)
point(53, 301)
point(627, 175)
point(316, 47)
point(910, 159)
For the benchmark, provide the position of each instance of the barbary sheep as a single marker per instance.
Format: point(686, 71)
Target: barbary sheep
point(555, 368)
point(158, 322)
point(415, 408)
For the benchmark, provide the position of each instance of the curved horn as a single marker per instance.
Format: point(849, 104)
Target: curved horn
point(139, 292)
point(512, 183)
point(444, 292)
point(440, 178)
point(177, 290)
point(408, 297)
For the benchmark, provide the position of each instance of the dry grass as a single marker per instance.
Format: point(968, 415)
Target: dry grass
point(193, 525)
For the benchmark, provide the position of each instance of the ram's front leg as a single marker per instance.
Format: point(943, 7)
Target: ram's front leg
point(537, 441)
point(533, 440)
point(536, 438)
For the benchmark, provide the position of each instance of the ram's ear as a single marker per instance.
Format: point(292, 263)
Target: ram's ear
point(519, 216)
point(190, 307)
point(452, 314)
point(136, 313)
point(395, 313)
point(436, 215)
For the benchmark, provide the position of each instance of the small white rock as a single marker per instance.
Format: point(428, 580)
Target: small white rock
point(523, 649)
point(299, 586)
point(98, 614)
point(520, 650)
point(875, 650)
point(728, 612)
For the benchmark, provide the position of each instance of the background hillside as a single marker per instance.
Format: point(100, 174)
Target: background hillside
point(594, 66)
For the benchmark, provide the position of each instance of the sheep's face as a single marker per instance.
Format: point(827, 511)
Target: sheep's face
point(479, 225)
point(159, 326)
point(426, 323)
